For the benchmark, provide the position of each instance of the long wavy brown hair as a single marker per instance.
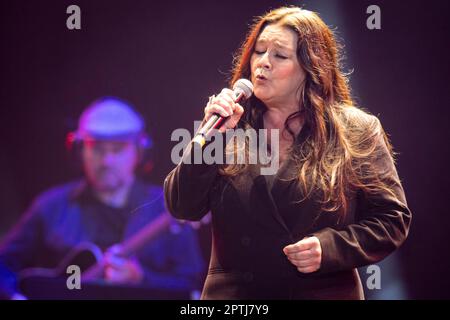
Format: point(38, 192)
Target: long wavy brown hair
point(336, 159)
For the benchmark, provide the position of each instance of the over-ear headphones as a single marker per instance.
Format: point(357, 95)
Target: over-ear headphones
point(110, 118)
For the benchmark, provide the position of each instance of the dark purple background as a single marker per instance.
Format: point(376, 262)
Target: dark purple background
point(167, 57)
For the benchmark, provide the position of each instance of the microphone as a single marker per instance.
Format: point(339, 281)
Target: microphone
point(242, 90)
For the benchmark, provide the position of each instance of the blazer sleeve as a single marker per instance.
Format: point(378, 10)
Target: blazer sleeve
point(381, 225)
point(187, 186)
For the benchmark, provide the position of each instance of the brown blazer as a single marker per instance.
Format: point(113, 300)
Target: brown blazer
point(253, 222)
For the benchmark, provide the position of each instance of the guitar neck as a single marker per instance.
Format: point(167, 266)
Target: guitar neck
point(146, 234)
point(133, 244)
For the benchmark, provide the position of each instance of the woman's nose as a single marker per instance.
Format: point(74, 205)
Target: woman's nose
point(264, 61)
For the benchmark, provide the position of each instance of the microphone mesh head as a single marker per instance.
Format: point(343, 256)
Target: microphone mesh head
point(245, 86)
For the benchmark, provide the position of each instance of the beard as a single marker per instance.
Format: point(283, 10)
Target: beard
point(107, 180)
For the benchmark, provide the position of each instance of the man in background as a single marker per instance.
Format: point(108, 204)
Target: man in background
point(107, 207)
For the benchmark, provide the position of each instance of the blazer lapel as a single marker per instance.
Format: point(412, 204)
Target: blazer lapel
point(264, 201)
point(266, 196)
point(286, 194)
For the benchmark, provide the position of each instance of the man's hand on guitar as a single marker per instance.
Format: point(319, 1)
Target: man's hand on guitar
point(121, 270)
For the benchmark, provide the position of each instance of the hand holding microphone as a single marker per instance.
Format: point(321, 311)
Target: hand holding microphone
point(224, 111)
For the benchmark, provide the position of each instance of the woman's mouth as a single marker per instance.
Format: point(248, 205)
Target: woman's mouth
point(260, 78)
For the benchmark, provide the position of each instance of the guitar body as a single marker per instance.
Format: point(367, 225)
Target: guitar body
point(42, 283)
point(85, 256)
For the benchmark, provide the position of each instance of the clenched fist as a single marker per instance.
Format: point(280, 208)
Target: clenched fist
point(305, 254)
